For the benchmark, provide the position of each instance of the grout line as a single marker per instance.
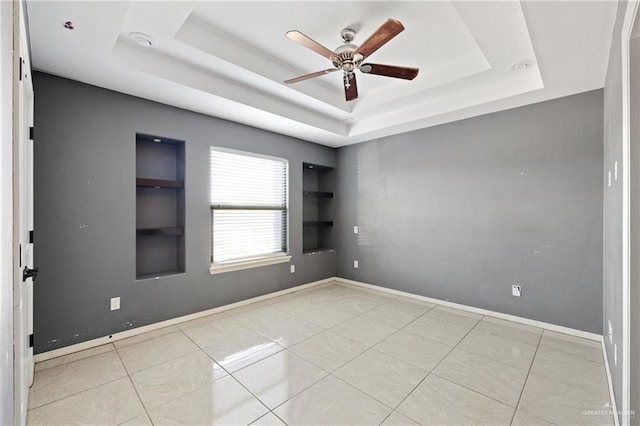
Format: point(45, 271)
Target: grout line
point(83, 390)
point(434, 367)
point(524, 385)
point(144, 407)
point(77, 393)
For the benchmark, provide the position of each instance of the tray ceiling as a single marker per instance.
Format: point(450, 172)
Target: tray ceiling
point(229, 59)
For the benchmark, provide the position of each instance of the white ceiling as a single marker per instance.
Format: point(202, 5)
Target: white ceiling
point(229, 58)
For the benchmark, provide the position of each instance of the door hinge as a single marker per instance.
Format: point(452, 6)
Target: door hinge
point(30, 237)
point(31, 340)
point(31, 132)
point(20, 255)
point(20, 74)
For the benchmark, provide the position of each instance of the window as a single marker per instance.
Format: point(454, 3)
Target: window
point(248, 210)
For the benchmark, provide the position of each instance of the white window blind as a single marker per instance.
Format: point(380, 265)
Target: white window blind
point(248, 206)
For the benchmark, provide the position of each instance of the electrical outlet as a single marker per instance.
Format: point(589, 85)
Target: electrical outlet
point(610, 332)
point(115, 303)
point(355, 264)
point(609, 177)
point(355, 229)
point(293, 269)
point(516, 290)
point(615, 354)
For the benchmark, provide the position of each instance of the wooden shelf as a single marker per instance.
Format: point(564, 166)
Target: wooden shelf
point(318, 223)
point(317, 194)
point(160, 231)
point(317, 250)
point(159, 183)
point(158, 275)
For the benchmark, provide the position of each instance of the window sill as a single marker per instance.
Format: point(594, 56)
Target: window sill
point(219, 269)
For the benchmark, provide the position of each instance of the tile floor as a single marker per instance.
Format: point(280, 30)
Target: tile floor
point(332, 355)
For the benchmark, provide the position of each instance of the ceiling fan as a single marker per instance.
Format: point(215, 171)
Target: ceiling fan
point(348, 57)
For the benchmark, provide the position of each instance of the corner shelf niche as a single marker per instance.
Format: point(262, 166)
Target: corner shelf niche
point(317, 208)
point(160, 207)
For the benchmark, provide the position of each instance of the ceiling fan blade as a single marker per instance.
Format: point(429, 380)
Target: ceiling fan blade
point(309, 43)
point(350, 87)
point(386, 32)
point(312, 75)
point(406, 73)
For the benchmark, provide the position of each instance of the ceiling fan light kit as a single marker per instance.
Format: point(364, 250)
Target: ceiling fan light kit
point(349, 57)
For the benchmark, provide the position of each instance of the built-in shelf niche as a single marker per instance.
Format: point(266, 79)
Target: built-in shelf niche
point(317, 208)
point(160, 206)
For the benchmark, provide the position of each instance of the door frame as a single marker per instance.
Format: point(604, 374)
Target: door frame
point(626, 33)
point(7, 266)
point(22, 213)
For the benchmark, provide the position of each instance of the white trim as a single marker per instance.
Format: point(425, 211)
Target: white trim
point(513, 318)
point(151, 327)
point(219, 269)
point(627, 26)
point(612, 395)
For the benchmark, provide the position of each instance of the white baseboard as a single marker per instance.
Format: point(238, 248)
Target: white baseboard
point(162, 324)
point(520, 320)
point(174, 321)
point(612, 396)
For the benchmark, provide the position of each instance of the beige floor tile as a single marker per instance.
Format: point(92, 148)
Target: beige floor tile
point(354, 304)
point(332, 402)
point(509, 330)
point(76, 356)
point(144, 337)
point(363, 331)
point(279, 377)
point(152, 352)
point(208, 319)
point(385, 378)
point(322, 296)
point(506, 351)
point(217, 329)
point(242, 351)
point(295, 305)
point(67, 379)
point(523, 419)
point(390, 319)
point(327, 316)
point(165, 382)
point(454, 316)
point(562, 404)
point(108, 404)
point(397, 419)
point(268, 419)
point(289, 331)
point(413, 349)
point(441, 331)
point(571, 370)
point(142, 420)
point(259, 316)
point(437, 401)
point(377, 296)
point(329, 350)
point(483, 375)
point(223, 402)
point(576, 346)
point(403, 305)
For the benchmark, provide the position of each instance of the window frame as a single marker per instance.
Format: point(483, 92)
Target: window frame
point(258, 261)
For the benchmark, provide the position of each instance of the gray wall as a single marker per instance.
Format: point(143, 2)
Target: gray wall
point(612, 236)
point(85, 213)
point(462, 211)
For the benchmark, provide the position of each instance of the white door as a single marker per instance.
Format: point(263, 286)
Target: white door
point(23, 221)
